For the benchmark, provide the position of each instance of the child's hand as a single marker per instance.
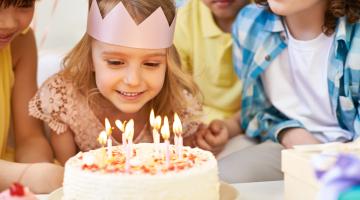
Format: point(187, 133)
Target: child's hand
point(296, 136)
point(43, 178)
point(213, 137)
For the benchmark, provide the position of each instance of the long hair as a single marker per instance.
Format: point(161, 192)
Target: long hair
point(78, 63)
point(336, 9)
point(16, 3)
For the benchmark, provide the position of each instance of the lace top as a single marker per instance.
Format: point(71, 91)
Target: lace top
point(63, 107)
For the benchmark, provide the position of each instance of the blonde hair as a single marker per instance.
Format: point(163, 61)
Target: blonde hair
point(78, 64)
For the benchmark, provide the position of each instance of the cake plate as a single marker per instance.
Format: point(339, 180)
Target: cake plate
point(227, 192)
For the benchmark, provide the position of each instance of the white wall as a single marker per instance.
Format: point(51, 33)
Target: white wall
point(63, 30)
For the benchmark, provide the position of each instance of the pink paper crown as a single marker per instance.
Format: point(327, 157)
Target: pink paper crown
point(119, 28)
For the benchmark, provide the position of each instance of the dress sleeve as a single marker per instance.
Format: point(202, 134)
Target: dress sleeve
point(191, 115)
point(51, 103)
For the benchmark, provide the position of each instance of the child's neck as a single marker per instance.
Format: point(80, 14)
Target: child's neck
point(224, 24)
point(307, 25)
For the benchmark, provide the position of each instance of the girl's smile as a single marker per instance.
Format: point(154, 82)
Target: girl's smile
point(6, 38)
point(130, 96)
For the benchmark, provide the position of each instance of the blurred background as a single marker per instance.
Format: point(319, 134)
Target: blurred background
point(58, 26)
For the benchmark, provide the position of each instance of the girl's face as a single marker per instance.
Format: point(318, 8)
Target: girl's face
point(291, 7)
point(14, 20)
point(225, 9)
point(128, 77)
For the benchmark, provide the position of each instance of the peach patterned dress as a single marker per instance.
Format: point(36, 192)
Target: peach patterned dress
point(63, 107)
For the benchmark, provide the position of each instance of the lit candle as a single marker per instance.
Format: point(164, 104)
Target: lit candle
point(108, 127)
point(129, 133)
point(109, 148)
point(165, 132)
point(152, 118)
point(178, 140)
point(109, 141)
point(121, 127)
point(102, 140)
point(155, 124)
point(157, 134)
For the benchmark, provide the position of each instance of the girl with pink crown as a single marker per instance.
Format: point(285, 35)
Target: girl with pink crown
point(124, 66)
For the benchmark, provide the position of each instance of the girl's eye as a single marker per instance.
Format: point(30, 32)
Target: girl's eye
point(114, 62)
point(152, 64)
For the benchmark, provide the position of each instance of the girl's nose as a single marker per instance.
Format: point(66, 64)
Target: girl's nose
point(133, 76)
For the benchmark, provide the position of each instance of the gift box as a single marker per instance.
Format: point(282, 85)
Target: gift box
point(299, 178)
point(298, 165)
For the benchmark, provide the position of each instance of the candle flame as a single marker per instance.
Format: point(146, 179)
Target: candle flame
point(129, 130)
point(108, 126)
point(152, 118)
point(120, 125)
point(165, 129)
point(177, 126)
point(102, 138)
point(157, 122)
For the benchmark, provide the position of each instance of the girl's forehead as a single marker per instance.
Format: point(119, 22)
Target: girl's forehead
point(15, 3)
point(109, 49)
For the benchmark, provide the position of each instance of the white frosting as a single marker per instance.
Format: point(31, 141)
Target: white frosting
point(198, 182)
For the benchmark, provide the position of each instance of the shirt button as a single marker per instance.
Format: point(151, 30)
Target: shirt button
point(268, 58)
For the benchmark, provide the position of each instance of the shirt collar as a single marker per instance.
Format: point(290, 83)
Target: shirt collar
point(343, 32)
point(208, 25)
point(273, 23)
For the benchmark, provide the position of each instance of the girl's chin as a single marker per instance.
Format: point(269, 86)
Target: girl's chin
point(129, 109)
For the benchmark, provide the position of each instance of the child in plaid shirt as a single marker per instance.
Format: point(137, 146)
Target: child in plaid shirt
point(299, 63)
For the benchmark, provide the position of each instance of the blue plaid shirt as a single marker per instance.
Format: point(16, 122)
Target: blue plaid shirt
point(259, 37)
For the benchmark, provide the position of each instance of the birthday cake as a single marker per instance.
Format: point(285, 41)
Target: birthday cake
point(193, 174)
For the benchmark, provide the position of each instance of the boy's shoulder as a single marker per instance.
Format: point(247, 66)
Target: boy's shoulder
point(253, 19)
point(254, 14)
point(253, 10)
point(23, 46)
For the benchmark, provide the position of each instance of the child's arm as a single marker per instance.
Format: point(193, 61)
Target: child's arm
point(31, 144)
point(41, 178)
point(296, 136)
point(64, 145)
point(233, 125)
